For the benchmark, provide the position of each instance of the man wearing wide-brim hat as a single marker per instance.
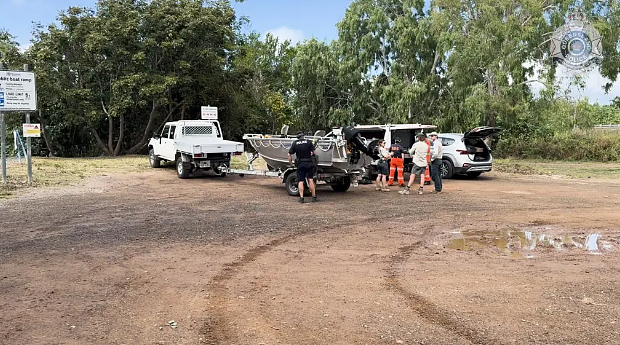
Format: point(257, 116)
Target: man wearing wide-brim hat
point(418, 151)
point(436, 158)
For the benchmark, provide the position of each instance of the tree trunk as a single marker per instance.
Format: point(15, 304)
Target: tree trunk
point(145, 136)
point(100, 142)
point(121, 135)
point(110, 133)
point(48, 141)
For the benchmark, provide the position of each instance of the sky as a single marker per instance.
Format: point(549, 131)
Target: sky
point(295, 20)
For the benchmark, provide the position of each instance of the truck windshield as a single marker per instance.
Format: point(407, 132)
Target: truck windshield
point(210, 130)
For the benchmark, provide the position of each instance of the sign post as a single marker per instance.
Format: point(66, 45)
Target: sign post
point(29, 143)
point(17, 94)
point(3, 143)
point(29, 154)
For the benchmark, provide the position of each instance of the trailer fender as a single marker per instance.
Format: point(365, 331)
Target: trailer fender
point(288, 172)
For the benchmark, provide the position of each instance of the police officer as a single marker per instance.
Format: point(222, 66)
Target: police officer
point(304, 151)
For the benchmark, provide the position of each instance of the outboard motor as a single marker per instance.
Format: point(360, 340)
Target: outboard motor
point(354, 138)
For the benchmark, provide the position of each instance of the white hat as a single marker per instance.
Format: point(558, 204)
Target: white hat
point(433, 133)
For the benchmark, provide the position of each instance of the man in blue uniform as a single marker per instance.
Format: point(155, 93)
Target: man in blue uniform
point(304, 150)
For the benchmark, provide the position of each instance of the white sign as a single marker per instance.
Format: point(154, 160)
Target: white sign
point(32, 130)
point(17, 91)
point(208, 113)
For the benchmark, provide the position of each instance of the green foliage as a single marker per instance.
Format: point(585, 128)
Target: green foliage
point(109, 77)
point(581, 145)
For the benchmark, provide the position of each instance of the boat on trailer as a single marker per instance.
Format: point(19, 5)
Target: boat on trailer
point(340, 157)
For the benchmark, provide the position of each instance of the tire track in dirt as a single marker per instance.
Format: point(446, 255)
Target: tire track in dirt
point(215, 329)
point(425, 308)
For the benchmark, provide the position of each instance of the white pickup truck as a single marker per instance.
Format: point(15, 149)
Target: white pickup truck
point(193, 145)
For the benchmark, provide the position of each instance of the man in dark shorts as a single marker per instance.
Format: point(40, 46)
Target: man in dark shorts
point(304, 150)
point(382, 167)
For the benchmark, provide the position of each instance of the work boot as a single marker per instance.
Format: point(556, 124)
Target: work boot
point(314, 199)
point(301, 200)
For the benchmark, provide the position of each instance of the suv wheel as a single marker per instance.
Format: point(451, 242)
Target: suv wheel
point(447, 169)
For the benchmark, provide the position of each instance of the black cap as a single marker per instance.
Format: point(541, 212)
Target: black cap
point(397, 140)
point(300, 134)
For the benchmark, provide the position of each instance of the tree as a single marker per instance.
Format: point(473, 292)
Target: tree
point(132, 65)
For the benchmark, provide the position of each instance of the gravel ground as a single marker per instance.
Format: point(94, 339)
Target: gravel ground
point(118, 258)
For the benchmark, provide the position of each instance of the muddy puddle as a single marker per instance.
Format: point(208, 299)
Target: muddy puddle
point(525, 244)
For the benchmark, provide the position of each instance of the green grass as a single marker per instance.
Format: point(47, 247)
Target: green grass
point(51, 172)
point(572, 169)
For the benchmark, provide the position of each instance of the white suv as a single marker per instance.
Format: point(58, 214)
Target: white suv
point(467, 154)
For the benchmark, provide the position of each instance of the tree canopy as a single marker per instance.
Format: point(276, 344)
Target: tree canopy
point(109, 76)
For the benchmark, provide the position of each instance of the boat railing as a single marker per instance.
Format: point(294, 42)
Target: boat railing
point(325, 144)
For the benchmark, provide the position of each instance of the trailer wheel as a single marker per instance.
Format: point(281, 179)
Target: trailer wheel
point(292, 187)
point(342, 185)
point(183, 169)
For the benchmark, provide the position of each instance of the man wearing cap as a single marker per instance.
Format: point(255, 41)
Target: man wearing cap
point(436, 157)
point(418, 151)
point(304, 150)
point(397, 163)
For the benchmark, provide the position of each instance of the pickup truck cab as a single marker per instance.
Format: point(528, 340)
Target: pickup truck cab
point(193, 145)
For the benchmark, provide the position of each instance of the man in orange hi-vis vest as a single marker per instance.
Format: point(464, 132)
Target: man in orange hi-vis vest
point(397, 163)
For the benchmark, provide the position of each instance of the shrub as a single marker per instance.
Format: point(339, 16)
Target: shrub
point(583, 145)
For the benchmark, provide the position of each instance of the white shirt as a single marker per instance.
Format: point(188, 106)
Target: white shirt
point(419, 150)
point(383, 153)
point(437, 150)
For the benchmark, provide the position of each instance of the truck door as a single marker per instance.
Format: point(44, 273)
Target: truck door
point(164, 144)
point(170, 149)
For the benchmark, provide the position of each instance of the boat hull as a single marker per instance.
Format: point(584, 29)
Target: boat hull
point(331, 153)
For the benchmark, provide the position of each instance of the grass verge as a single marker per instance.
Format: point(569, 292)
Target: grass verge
point(579, 170)
point(50, 172)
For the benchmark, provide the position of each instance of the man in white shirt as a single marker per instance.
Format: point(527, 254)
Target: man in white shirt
point(436, 157)
point(418, 151)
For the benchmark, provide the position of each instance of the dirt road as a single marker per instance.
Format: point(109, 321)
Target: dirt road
point(497, 260)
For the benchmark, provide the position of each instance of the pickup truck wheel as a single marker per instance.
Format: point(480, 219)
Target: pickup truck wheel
point(154, 160)
point(292, 185)
point(183, 169)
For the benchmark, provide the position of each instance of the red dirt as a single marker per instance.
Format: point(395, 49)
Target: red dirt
point(237, 261)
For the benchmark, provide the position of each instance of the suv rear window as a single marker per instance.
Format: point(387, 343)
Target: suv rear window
point(447, 141)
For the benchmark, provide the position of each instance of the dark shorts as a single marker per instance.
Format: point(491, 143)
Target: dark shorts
point(305, 171)
point(416, 170)
point(383, 168)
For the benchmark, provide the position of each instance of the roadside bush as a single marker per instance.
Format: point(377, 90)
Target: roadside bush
point(583, 145)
